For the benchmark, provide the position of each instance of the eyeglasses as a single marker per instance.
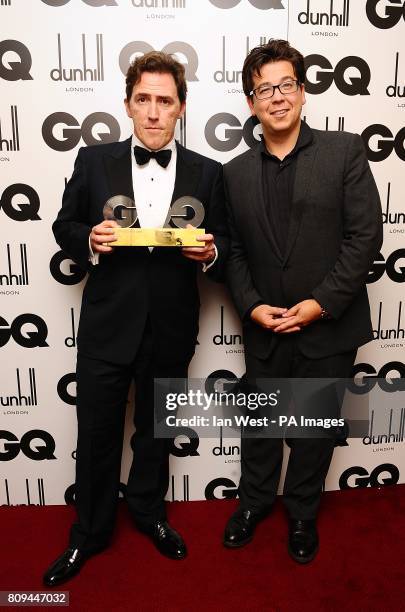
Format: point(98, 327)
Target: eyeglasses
point(265, 90)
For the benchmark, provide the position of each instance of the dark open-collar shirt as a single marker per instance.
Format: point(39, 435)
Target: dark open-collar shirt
point(278, 183)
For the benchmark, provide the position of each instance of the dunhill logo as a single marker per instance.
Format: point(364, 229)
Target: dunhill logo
point(5, 2)
point(19, 399)
point(392, 218)
point(227, 339)
point(16, 279)
point(389, 334)
point(227, 451)
point(388, 437)
point(164, 4)
point(395, 90)
point(70, 341)
point(186, 488)
point(232, 76)
point(14, 143)
point(84, 73)
point(326, 19)
point(41, 494)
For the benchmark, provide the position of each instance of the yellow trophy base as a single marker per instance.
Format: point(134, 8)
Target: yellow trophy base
point(157, 237)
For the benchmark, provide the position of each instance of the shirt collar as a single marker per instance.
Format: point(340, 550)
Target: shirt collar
point(170, 145)
point(305, 138)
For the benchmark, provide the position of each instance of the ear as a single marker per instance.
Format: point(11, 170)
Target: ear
point(182, 110)
point(249, 100)
point(303, 98)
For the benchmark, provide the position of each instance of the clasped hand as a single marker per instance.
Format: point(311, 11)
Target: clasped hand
point(286, 320)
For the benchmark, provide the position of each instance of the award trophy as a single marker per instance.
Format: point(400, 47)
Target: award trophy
point(122, 209)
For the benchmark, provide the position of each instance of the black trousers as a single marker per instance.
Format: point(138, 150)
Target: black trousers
point(102, 392)
point(261, 458)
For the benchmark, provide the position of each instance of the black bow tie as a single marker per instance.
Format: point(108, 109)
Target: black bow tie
point(142, 156)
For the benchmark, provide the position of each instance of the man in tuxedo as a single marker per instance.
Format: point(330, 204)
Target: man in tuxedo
point(140, 306)
point(305, 223)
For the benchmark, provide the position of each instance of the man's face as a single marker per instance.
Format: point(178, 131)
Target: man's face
point(154, 108)
point(280, 114)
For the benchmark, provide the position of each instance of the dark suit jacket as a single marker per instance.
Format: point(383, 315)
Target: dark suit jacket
point(334, 235)
point(131, 284)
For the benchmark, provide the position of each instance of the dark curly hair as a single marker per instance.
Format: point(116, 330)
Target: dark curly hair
point(274, 50)
point(156, 61)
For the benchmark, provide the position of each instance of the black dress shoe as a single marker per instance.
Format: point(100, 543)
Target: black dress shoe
point(167, 540)
point(65, 567)
point(240, 528)
point(303, 542)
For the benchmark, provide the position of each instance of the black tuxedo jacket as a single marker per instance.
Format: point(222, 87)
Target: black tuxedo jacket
point(131, 284)
point(335, 232)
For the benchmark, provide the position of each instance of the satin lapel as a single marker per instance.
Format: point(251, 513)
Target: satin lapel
point(303, 173)
point(188, 174)
point(255, 192)
point(118, 165)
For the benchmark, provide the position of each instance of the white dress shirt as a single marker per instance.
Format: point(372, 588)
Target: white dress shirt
point(153, 187)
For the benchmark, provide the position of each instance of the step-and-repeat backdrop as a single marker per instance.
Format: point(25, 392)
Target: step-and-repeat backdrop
point(62, 66)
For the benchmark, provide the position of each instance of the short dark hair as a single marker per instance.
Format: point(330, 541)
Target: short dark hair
point(274, 50)
point(156, 61)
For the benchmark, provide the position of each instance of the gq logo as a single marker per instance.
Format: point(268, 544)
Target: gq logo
point(89, 2)
point(25, 211)
point(230, 490)
point(141, 47)
point(233, 132)
point(31, 339)
point(350, 86)
point(364, 479)
point(188, 447)
point(63, 391)
point(183, 211)
point(386, 379)
point(12, 70)
point(221, 381)
point(64, 272)
point(36, 452)
point(264, 5)
point(71, 136)
point(384, 147)
point(393, 10)
point(394, 272)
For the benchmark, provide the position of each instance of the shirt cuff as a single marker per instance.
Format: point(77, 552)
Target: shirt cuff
point(205, 266)
point(93, 257)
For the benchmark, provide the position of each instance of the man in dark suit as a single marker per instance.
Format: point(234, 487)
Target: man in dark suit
point(140, 307)
point(305, 221)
